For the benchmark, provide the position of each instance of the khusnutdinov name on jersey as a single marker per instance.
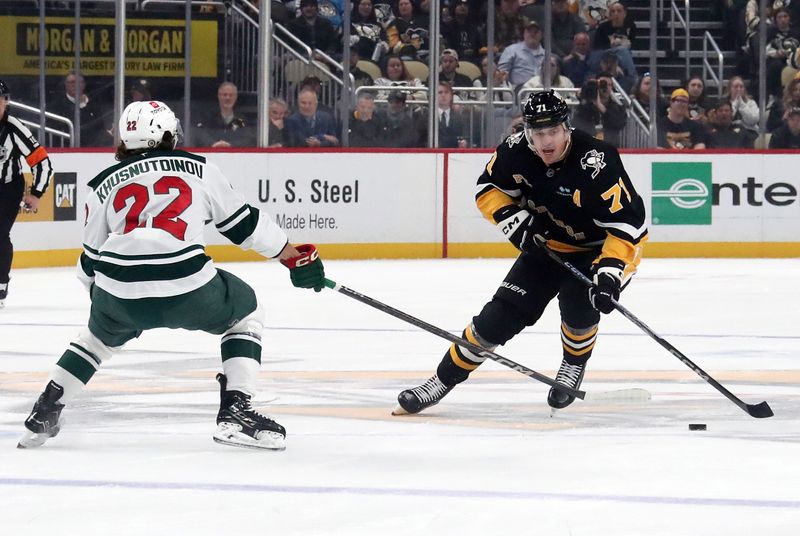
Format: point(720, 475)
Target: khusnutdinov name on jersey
point(145, 166)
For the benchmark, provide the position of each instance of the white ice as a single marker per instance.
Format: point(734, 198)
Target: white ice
point(136, 457)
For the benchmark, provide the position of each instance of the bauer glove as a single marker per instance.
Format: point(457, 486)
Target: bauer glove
point(606, 284)
point(306, 269)
point(517, 226)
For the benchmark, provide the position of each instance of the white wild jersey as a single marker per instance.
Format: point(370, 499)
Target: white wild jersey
point(144, 225)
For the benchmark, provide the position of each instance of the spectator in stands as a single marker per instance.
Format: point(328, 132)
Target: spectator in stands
point(401, 126)
point(315, 84)
point(609, 63)
point(224, 127)
point(278, 110)
point(618, 31)
point(508, 25)
point(787, 136)
point(384, 12)
point(360, 77)
point(723, 134)
point(460, 33)
point(576, 65)
point(745, 110)
point(598, 113)
point(140, 90)
point(448, 73)
point(566, 26)
point(367, 35)
point(696, 89)
point(367, 128)
point(791, 99)
point(499, 80)
point(522, 61)
point(332, 11)
point(593, 12)
point(453, 128)
point(95, 122)
point(313, 30)
point(557, 81)
point(395, 74)
point(407, 34)
point(676, 130)
point(310, 127)
point(782, 42)
point(641, 94)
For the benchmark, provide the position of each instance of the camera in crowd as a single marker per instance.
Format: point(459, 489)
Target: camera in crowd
point(592, 86)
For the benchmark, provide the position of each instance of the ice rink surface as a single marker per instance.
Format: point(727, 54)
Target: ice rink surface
point(136, 457)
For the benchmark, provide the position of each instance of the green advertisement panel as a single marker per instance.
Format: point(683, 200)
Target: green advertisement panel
point(681, 193)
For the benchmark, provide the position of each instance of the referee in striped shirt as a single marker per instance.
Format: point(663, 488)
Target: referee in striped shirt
point(16, 143)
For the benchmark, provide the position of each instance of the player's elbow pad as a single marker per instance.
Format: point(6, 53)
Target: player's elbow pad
point(514, 222)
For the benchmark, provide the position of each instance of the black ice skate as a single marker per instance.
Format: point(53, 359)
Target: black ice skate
point(239, 425)
point(42, 423)
point(426, 395)
point(3, 294)
point(569, 375)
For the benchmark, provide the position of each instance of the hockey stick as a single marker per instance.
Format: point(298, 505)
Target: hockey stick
point(759, 411)
point(430, 328)
point(631, 395)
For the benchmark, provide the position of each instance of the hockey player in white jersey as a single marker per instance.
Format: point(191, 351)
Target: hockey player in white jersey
point(145, 266)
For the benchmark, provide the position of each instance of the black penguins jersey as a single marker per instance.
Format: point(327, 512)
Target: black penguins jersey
point(585, 201)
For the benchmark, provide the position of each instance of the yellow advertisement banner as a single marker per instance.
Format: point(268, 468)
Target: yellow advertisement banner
point(153, 48)
point(58, 203)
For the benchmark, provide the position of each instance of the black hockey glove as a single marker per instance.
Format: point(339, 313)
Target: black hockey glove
point(517, 225)
point(606, 284)
point(306, 270)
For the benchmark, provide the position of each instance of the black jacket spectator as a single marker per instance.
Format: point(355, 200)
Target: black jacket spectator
point(723, 134)
point(604, 119)
point(617, 30)
point(461, 34)
point(401, 126)
point(95, 121)
point(313, 30)
point(788, 135)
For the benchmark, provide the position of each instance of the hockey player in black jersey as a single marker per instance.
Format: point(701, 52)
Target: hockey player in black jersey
point(549, 186)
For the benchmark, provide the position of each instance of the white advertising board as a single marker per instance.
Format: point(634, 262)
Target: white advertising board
point(697, 198)
point(392, 204)
point(322, 198)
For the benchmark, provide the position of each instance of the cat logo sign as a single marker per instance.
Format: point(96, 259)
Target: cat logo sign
point(58, 202)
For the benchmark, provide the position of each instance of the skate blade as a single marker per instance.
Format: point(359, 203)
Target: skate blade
point(266, 440)
point(398, 410)
point(31, 440)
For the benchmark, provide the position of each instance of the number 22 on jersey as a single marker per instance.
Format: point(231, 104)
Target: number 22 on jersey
point(166, 220)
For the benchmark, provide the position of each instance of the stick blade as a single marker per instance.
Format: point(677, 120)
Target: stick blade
point(760, 411)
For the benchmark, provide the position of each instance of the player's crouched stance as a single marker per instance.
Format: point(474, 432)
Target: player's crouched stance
point(145, 266)
point(549, 186)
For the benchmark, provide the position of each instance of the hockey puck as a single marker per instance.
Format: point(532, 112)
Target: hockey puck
point(697, 427)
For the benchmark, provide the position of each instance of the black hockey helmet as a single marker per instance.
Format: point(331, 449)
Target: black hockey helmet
point(4, 91)
point(545, 109)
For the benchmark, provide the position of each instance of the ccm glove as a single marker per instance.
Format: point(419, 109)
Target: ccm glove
point(306, 270)
point(606, 284)
point(516, 224)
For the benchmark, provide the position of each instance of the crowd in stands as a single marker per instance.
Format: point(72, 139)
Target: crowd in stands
point(591, 61)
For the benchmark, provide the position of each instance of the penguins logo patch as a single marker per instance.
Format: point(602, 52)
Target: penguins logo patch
point(514, 139)
point(593, 159)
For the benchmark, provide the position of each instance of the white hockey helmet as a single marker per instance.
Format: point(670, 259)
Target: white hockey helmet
point(144, 123)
